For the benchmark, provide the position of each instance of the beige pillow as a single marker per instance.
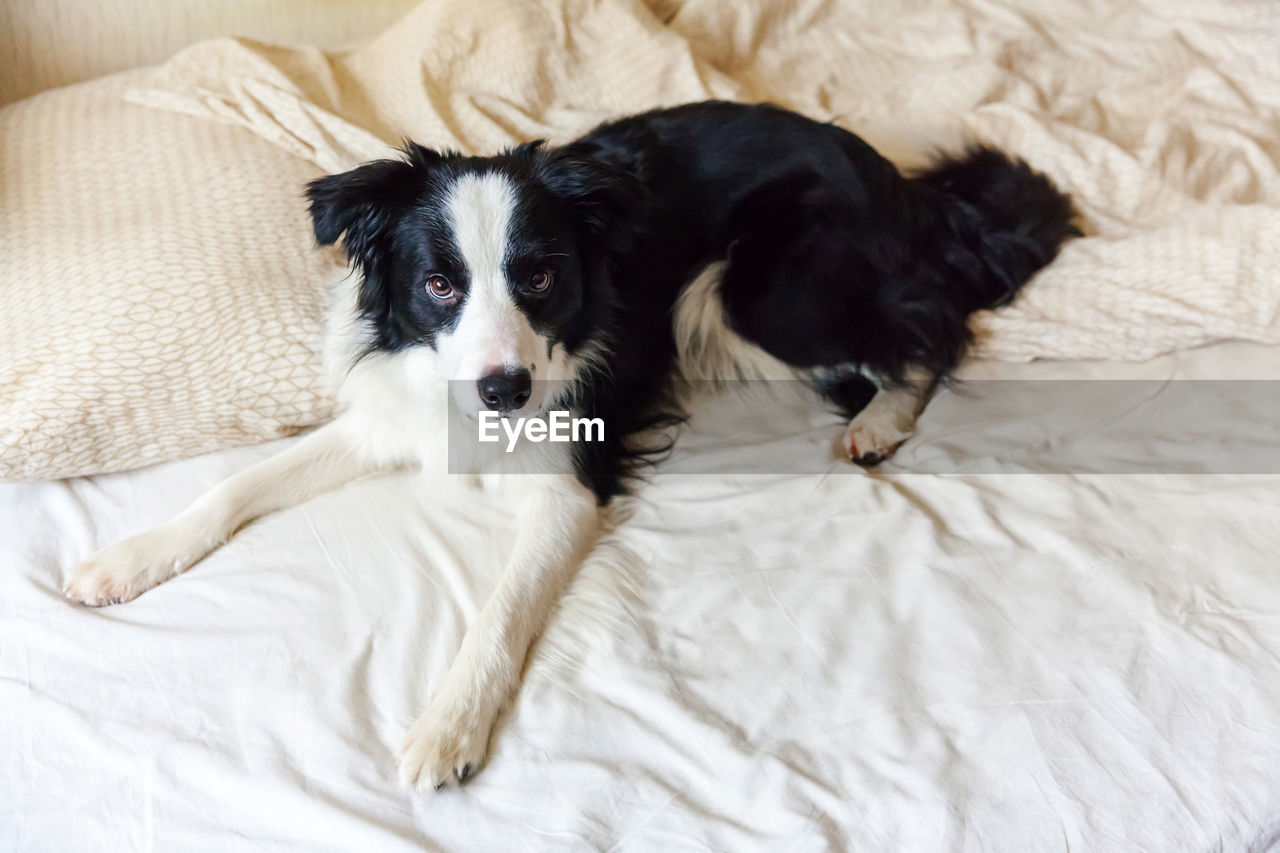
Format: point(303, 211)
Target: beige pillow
point(161, 293)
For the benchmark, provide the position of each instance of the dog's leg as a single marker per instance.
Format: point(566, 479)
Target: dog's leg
point(877, 431)
point(317, 463)
point(447, 743)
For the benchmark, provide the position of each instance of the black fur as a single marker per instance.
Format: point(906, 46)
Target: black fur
point(835, 259)
point(390, 217)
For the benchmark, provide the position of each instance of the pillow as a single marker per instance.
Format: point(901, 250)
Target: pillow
point(161, 294)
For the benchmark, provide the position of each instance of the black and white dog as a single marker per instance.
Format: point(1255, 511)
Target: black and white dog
point(712, 240)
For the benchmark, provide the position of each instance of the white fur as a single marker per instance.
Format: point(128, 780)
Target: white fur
point(448, 741)
point(707, 348)
point(317, 463)
point(877, 431)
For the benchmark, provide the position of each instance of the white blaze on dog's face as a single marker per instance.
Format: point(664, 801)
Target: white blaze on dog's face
point(497, 265)
point(493, 344)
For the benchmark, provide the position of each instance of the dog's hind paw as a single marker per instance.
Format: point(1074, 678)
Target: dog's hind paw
point(872, 439)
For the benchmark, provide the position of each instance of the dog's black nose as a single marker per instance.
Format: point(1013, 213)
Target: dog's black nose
point(506, 391)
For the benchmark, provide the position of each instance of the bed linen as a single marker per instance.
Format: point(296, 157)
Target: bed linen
point(849, 661)
point(1159, 117)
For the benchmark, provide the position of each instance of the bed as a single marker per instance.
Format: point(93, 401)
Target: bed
point(1040, 627)
point(1005, 661)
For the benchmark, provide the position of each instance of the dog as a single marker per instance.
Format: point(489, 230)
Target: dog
point(713, 241)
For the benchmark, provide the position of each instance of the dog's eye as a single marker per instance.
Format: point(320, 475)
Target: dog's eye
point(541, 281)
point(439, 287)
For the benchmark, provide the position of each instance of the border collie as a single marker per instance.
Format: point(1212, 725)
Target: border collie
point(713, 241)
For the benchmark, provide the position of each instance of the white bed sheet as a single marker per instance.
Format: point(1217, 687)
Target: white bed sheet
point(972, 662)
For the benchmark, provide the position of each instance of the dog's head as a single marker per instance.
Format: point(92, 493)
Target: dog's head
point(500, 265)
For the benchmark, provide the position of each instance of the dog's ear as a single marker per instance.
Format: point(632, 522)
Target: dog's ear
point(608, 201)
point(359, 206)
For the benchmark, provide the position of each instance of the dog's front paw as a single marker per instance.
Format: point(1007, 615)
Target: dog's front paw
point(447, 744)
point(873, 437)
point(122, 572)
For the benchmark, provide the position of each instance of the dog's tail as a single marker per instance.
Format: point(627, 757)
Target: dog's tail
point(1010, 218)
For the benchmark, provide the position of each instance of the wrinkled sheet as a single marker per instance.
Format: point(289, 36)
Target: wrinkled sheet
point(1159, 117)
point(848, 661)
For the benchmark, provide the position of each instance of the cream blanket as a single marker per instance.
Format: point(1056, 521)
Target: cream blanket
point(1161, 118)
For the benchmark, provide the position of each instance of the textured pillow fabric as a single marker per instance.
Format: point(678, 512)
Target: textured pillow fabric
point(160, 292)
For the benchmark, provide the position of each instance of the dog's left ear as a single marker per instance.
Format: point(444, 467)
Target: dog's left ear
point(361, 208)
point(609, 202)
